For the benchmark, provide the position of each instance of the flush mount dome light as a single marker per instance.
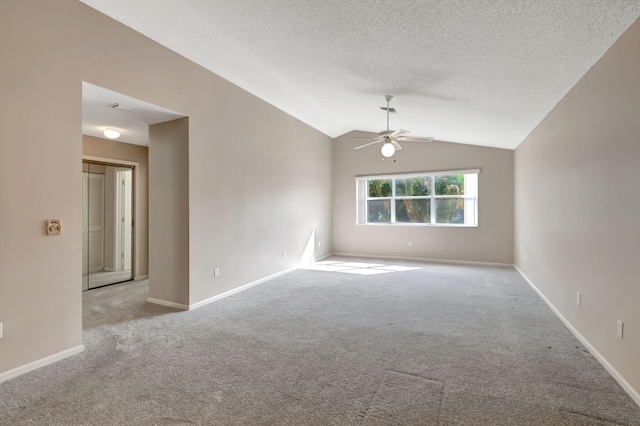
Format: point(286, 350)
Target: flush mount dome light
point(388, 149)
point(111, 133)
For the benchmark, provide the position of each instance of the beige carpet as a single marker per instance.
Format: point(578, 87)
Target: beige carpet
point(438, 345)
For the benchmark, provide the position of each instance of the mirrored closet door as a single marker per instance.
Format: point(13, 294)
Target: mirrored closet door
point(107, 224)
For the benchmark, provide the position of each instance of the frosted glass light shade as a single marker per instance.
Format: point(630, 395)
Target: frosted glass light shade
point(387, 149)
point(111, 133)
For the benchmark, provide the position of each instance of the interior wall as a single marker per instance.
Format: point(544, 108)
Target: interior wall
point(169, 204)
point(577, 229)
point(105, 148)
point(491, 241)
point(263, 188)
point(249, 164)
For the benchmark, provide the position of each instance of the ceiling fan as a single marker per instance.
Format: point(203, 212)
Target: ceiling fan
point(392, 137)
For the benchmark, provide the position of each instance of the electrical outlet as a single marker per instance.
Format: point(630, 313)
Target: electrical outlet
point(0, 330)
point(216, 272)
point(318, 244)
point(526, 257)
point(578, 299)
point(410, 243)
point(284, 253)
point(620, 328)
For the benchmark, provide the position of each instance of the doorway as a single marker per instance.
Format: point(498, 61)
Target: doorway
point(107, 224)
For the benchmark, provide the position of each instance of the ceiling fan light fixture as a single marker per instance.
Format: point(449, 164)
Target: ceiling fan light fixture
point(388, 149)
point(391, 137)
point(111, 133)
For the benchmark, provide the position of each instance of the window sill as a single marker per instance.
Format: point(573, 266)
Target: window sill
point(421, 225)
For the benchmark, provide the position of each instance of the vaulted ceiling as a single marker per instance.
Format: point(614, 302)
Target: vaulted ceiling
point(482, 72)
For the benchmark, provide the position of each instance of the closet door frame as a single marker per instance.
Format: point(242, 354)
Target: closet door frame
point(135, 203)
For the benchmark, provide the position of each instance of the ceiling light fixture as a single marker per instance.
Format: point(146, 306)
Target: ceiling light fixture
point(388, 149)
point(390, 138)
point(111, 133)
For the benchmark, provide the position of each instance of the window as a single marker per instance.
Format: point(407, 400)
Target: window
point(440, 198)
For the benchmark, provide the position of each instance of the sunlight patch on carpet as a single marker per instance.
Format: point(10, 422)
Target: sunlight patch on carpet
point(358, 268)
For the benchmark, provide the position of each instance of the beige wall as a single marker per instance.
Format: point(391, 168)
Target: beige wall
point(577, 204)
point(263, 185)
point(104, 148)
point(259, 180)
point(169, 207)
point(491, 241)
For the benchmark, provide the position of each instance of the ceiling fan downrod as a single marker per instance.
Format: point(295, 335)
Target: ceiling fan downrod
point(388, 98)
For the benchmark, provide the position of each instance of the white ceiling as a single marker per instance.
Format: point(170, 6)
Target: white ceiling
point(98, 114)
point(483, 72)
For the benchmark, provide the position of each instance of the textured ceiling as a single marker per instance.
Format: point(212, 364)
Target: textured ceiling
point(97, 114)
point(482, 72)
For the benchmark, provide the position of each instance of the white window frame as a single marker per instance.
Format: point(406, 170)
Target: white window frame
point(470, 198)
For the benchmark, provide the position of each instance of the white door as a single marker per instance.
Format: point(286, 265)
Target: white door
point(124, 219)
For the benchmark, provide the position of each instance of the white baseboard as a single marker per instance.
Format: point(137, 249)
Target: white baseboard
point(239, 289)
point(422, 259)
point(633, 393)
point(221, 295)
point(141, 277)
point(7, 375)
point(167, 303)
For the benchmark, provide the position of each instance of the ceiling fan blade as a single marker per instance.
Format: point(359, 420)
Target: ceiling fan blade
point(395, 144)
point(414, 139)
point(362, 137)
point(398, 133)
point(367, 144)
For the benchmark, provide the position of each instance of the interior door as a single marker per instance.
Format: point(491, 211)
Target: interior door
point(95, 223)
point(124, 220)
point(85, 226)
point(107, 212)
point(126, 215)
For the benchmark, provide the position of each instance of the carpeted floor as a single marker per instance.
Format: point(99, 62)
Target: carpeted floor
point(439, 345)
